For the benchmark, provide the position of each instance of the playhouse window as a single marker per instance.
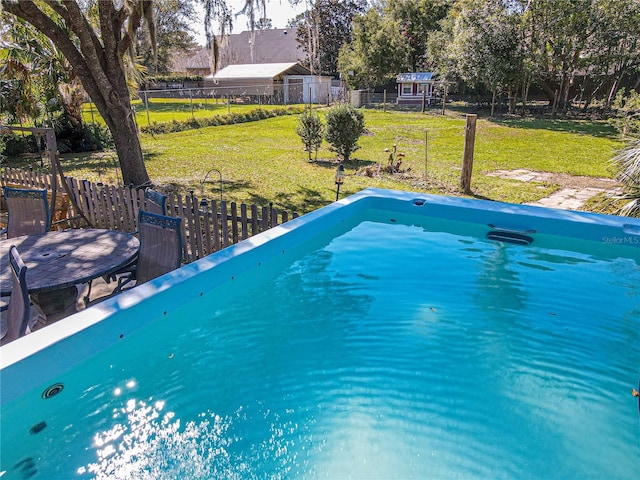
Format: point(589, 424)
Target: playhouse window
point(422, 88)
point(407, 88)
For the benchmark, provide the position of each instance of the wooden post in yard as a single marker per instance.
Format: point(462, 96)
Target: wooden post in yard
point(444, 99)
point(467, 159)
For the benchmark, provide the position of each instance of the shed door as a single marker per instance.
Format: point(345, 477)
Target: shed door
point(296, 90)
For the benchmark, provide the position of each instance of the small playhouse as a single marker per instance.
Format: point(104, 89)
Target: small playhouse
point(413, 87)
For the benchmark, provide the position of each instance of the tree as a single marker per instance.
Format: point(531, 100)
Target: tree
point(174, 21)
point(96, 56)
point(264, 24)
point(559, 30)
point(487, 47)
point(45, 76)
point(372, 57)
point(95, 41)
point(416, 20)
point(344, 127)
point(627, 164)
point(309, 129)
point(391, 38)
point(613, 51)
point(323, 29)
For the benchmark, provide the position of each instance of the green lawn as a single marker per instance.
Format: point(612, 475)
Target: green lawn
point(166, 110)
point(265, 162)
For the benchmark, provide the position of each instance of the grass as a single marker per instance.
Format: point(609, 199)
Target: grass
point(180, 109)
point(264, 161)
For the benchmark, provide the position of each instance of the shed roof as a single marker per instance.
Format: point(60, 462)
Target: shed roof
point(414, 77)
point(262, 70)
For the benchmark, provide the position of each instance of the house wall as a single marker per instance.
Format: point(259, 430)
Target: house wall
point(410, 93)
point(307, 89)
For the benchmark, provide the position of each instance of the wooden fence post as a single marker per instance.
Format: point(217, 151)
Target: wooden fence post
point(444, 98)
point(467, 159)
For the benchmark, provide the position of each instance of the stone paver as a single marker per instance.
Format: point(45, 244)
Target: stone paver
point(567, 198)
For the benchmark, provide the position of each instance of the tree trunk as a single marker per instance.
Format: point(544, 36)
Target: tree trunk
point(512, 94)
point(121, 121)
point(565, 94)
point(613, 91)
point(127, 142)
point(525, 96)
point(556, 99)
point(493, 102)
point(97, 60)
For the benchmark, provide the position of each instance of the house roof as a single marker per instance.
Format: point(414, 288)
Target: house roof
point(261, 70)
point(276, 45)
point(414, 77)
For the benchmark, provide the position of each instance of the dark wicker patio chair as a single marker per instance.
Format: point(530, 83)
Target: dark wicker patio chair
point(160, 248)
point(156, 202)
point(18, 310)
point(28, 212)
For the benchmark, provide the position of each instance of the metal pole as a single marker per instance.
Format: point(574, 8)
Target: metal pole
point(205, 179)
point(191, 103)
point(337, 191)
point(146, 104)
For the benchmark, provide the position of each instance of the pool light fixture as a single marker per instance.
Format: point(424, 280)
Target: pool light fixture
point(339, 179)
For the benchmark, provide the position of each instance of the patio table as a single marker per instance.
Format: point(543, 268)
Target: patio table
point(58, 261)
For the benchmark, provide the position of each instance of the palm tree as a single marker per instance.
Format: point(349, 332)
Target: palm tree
point(627, 164)
point(45, 78)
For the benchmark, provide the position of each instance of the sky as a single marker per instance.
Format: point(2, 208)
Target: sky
point(279, 11)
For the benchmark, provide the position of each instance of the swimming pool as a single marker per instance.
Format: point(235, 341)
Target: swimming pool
point(389, 335)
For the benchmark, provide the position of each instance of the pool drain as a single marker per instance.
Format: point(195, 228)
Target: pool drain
point(52, 391)
point(510, 237)
point(37, 428)
point(519, 237)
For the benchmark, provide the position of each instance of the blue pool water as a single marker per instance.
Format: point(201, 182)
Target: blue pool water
point(390, 344)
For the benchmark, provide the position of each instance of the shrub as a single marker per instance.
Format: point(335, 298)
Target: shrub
point(627, 164)
point(13, 145)
point(626, 109)
point(310, 130)
point(89, 138)
point(344, 127)
point(178, 126)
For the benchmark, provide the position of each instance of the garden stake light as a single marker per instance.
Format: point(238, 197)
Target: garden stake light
point(339, 179)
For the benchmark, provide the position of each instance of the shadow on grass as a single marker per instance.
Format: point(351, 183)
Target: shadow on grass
point(353, 163)
point(478, 196)
point(581, 127)
point(304, 200)
point(212, 187)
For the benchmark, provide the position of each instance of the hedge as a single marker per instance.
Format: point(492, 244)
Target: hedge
point(178, 126)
